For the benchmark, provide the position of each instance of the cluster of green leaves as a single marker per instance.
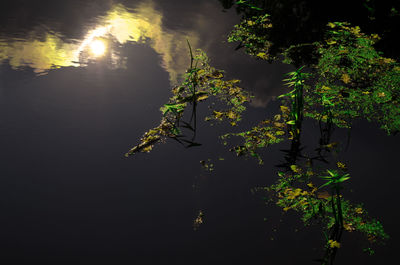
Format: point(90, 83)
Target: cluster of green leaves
point(253, 34)
point(353, 80)
point(350, 78)
point(201, 82)
point(299, 22)
point(295, 98)
point(286, 125)
point(265, 133)
point(296, 190)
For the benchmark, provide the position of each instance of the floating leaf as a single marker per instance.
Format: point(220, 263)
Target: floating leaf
point(333, 244)
point(346, 78)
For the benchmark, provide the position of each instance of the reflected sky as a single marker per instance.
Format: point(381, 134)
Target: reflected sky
point(117, 27)
point(55, 40)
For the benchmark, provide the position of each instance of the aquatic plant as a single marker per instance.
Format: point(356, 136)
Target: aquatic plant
point(201, 81)
point(346, 79)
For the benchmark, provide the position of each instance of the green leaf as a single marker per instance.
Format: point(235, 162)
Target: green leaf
point(326, 184)
point(332, 173)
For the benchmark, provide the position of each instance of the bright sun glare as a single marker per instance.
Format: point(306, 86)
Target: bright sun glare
point(97, 47)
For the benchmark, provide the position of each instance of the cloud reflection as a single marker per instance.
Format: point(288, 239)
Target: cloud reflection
point(119, 26)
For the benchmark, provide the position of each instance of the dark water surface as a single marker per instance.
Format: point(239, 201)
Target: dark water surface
point(80, 81)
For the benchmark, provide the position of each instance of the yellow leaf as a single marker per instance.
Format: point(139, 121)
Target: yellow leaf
point(349, 227)
point(332, 25)
point(279, 124)
point(297, 192)
point(284, 109)
point(262, 55)
point(202, 97)
point(355, 30)
point(359, 210)
point(291, 136)
point(232, 115)
point(341, 165)
point(388, 60)
point(375, 36)
point(333, 244)
point(346, 78)
point(325, 88)
point(218, 115)
point(331, 145)
point(295, 168)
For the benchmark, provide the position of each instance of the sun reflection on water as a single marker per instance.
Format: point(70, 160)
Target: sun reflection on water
point(119, 26)
point(98, 48)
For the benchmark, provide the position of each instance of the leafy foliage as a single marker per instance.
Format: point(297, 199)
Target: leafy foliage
point(353, 80)
point(350, 78)
point(254, 34)
point(265, 133)
point(296, 190)
point(347, 78)
point(299, 23)
point(201, 82)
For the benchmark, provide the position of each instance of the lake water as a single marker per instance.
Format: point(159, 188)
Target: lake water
point(81, 81)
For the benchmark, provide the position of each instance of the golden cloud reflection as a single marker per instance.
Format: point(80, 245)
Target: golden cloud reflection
point(119, 26)
point(40, 55)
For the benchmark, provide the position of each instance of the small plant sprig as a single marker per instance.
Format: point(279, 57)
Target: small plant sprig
point(334, 179)
point(295, 80)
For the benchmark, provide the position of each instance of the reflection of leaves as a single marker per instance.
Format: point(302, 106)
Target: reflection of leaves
point(190, 143)
point(187, 126)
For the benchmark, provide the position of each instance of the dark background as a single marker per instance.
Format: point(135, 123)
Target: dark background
point(69, 196)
